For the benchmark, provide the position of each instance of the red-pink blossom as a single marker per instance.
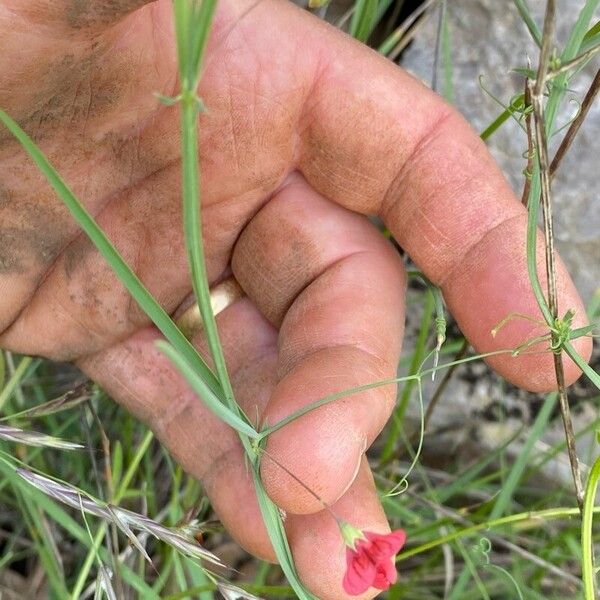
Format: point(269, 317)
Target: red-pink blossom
point(369, 561)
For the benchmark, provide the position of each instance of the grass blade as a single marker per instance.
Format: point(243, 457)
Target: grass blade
point(518, 468)
point(363, 19)
point(129, 279)
point(274, 524)
point(34, 438)
point(19, 374)
point(204, 392)
point(528, 19)
point(587, 547)
point(574, 355)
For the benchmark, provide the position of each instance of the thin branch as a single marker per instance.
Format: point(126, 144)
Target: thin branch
point(577, 61)
point(576, 124)
point(395, 43)
point(438, 46)
point(536, 89)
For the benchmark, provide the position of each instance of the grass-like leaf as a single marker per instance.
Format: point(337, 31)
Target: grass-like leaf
point(124, 519)
point(591, 38)
point(204, 392)
point(274, 524)
point(34, 438)
point(15, 379)
point(587, 544)
point(528, 19)
point(576, 358)
point(195, 29)
point(363, 19)
point(127, 277)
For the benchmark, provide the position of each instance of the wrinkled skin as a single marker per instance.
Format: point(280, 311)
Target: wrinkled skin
point(306, 131)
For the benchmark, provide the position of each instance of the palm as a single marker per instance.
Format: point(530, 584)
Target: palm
point(284, 96)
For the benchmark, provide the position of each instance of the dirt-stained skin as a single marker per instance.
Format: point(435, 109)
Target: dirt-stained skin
point(83, 13)
point(30, 232)
point(305, 132)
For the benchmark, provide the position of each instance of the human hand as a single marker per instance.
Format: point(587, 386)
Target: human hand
point(305, 131)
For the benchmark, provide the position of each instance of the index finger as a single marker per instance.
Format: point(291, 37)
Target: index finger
point(376, 140)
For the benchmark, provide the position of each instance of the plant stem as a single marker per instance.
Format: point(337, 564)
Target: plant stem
point(101, 531)
point(536, 90)
point(530, 147)
point(193, 235)
point(587, 548)
point(15, 379)
point(576, 124)
point(537, 517)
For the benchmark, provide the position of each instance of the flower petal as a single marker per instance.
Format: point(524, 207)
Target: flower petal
point(386, 544)
point(360, 573)
point(386, 575)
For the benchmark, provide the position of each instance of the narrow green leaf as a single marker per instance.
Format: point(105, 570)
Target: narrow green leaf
point(581, 331)
point(587, 543)
point(571, 50)
point(507, 491)
point(576, 358)
point(591, 38)
point(528, 19)
point(532, 233)
point(516, 105)
point(200, 30)
point(19, 374)
point(274, 524)
point(580, 30)
point(194, 243)
point(205, 393)
point(117, 463)
point(363, 19)
point(129, 279)
point(382, 8)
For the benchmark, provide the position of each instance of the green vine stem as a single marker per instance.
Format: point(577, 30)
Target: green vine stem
point(535, 517)
point(587, 549)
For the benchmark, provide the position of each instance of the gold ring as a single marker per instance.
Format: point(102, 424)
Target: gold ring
point(222, 295)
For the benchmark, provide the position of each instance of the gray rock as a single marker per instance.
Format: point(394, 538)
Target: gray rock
point(489, 39)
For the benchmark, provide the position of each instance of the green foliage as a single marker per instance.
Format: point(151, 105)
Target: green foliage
point(363, 19)
point(465, 500)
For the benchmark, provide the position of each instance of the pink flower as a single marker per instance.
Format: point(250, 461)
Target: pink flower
point(369, 559)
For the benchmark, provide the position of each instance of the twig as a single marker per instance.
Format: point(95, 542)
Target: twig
point(536, 89)
point(396, 39)
point(571, 64)
point(576, 124)
point(438, 46)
